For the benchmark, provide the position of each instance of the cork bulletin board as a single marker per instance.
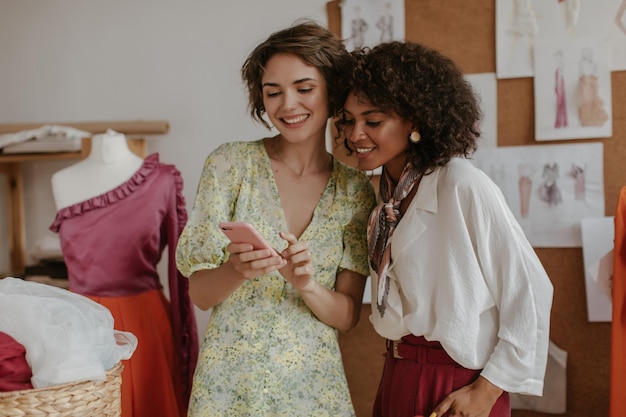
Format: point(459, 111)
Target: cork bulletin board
point(465, 31)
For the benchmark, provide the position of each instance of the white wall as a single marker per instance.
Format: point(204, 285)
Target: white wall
point(93, 60)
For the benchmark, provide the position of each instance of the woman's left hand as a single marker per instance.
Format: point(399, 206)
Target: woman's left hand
point(473, 400)
point(299, 269)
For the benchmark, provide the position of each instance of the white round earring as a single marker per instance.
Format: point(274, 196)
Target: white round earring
point(415, 136)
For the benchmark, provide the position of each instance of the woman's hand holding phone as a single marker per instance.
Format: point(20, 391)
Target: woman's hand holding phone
point(250, 254)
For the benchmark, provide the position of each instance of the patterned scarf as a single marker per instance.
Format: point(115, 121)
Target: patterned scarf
point(382, 223)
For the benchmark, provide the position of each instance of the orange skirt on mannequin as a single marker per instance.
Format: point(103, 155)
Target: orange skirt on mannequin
point(151, 383)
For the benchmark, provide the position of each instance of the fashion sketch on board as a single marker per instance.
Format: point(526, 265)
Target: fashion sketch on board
point(358, 29)
point(520, 24)
point(550, 192)
point(385, 24)
point(517, 24)
point(571, 12)
point(366, 23)
point(526, 171)
point(591, 110)
point(578, 173)
point(523, 20)
point(549, 188)
point(572, 87)
point(559, 89)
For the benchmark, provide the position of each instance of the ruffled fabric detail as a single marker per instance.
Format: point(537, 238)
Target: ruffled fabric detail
point(183, 314)
point(150, 164)
point(181, 205)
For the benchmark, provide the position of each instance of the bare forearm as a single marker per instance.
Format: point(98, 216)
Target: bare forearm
point(209, 287)
point(341, 308)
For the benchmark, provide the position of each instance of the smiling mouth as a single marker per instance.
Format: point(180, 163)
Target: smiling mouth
point(295, 120)
point(362, 151)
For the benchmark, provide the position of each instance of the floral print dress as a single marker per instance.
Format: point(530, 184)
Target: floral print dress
point(264, 352)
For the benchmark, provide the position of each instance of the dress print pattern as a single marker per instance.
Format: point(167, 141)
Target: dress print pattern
point(264, 352)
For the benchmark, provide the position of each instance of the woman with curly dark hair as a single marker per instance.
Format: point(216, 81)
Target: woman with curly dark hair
point(457, 290)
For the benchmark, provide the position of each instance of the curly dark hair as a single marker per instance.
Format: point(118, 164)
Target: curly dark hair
point(316, 46)
point(425, 87)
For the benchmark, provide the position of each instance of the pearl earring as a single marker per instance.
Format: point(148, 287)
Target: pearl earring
point(415, 136)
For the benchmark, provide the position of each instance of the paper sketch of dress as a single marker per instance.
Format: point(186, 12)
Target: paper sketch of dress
point(524, 19)
point(549, 190)
point(578, 173)
point(525, 184)
point(559, 89)
point(359, 27)
point(385, 24)
point(572, 11)
point(590, 106)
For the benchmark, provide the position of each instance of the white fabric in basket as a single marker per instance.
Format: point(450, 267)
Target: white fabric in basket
point(67, 336)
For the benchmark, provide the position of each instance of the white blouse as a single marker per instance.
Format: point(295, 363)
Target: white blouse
point(464, 274)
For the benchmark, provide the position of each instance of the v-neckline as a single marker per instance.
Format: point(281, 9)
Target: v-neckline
point(324, 200)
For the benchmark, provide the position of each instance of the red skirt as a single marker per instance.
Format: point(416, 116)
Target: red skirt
point(417, 383)
point(151, 380)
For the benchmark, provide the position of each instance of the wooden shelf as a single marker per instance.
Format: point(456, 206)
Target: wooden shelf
point(27, 157)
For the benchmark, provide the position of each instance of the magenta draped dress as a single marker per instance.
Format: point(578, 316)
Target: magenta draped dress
point(112, 244)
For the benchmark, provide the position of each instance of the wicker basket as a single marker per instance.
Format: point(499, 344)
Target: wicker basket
point(75, 399)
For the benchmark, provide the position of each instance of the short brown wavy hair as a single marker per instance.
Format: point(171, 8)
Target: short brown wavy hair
point(316, 46)
point(426, 88)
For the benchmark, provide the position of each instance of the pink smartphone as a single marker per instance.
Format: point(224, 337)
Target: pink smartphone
point(244, 232)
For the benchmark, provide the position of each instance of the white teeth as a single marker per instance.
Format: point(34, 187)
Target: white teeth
point(297, 119)
point(363, 150)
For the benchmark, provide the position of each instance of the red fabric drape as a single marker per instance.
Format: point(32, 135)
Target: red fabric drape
point(15, 372)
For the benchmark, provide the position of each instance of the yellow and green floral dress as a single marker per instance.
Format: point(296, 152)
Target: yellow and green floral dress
point(264, 352)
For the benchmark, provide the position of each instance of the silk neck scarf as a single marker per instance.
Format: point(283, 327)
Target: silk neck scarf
point(382, 222)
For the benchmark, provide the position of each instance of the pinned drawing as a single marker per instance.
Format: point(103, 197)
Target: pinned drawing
point(550, 191)
point(370, 22)
point(358, 28)
point(525, 183)
point(572, 89)
point(559, 90)
point(591, 110)
point(549, 188)
point(571, 13)
point(578, 173)
point(523, 20)
point(517, 25)
point(521, 23)
point(385, 24)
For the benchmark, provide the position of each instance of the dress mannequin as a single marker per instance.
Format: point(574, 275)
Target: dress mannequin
point(117, 215)
point(109, 164)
